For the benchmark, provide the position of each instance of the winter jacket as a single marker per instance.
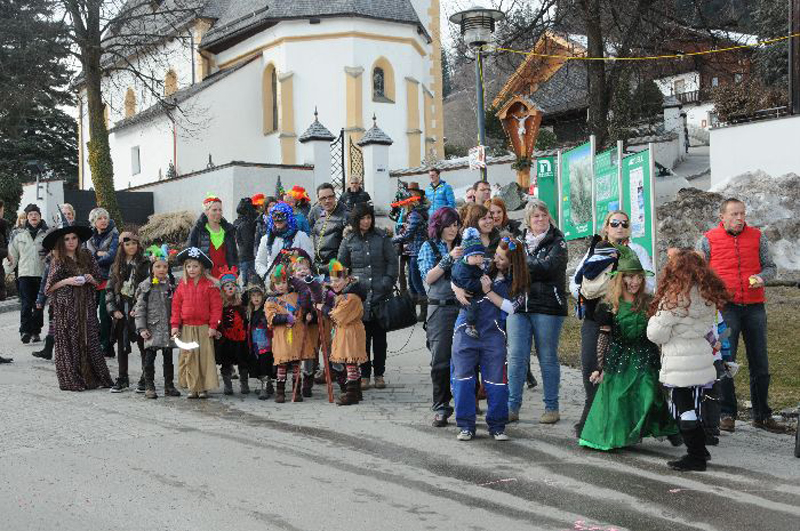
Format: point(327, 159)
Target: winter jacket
point(260, 231)
point(245, 226)
point(372, 259)
point(547, 267)
point(349, 336)
point(26, 251)
point(350, 199)
point(512, 227)
point(439, 196)
point(414, 231)
point(196, 304)
point(327, 233)
point(107, 241)
point(199, 237)
point(133, 274)
point(686, 357)
point(153, 310)
point(268, 251)
point(3, 239)
point(735, 258)
point(302, 221)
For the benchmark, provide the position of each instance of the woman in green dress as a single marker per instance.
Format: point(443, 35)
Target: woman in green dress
point(629, 404)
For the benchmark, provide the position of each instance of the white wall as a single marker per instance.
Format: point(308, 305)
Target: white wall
point(666, 153)
point(51, 193)
point(691, 82)
point(770, 146)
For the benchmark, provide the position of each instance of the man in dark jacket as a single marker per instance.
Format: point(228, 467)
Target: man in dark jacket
point(328, 220)
point(354, 194)
point(245, 226)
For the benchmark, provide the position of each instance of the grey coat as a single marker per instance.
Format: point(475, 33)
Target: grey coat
point(153, 310)
point(372, 259)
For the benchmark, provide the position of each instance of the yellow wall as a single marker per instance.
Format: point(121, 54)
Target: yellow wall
point(286, 123)
point(437, 127)
point(266, 99)
point(354, 104)
point(412, 123)
point(427, 112)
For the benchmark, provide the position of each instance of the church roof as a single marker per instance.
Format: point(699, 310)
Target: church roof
point(316, 131)
point(375, 136)
point(240, 16)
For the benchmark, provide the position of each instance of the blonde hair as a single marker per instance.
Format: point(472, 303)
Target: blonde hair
point(235, 300)
point(203, 272)
point(617, 286)
point(68, 207)
point(536, 205)
point(604, 228)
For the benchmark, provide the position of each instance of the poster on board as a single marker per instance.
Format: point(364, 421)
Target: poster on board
point(546, 185)
point(576, 192)
point(606, 184)
point(637, 190)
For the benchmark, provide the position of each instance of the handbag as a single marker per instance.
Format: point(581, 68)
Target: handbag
point(396, 311)
point(598, 286)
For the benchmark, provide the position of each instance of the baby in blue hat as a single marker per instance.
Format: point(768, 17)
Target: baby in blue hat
point(467, 274)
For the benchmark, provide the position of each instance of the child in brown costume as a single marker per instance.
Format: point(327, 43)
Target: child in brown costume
point(349, 337)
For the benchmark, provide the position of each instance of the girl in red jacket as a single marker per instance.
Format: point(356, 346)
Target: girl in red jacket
point(196, 314)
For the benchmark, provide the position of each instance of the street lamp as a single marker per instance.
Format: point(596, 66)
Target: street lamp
point(477, 25)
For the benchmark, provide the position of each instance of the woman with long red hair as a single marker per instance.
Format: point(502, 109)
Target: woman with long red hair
point(683, 311)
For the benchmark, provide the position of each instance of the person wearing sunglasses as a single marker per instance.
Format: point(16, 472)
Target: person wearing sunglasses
point(616, 231)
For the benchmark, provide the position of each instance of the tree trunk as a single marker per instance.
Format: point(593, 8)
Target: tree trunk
point(598, 96)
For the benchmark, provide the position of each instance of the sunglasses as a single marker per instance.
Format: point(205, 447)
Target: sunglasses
point(126, 240)
point(511, 244)
point(617, 223)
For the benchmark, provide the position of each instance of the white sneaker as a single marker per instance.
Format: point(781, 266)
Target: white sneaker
point(501, 436)
point(465, 435)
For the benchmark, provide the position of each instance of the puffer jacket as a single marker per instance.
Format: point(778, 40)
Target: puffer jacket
point(196, 304)
point(153, 311)
point(200, 238)
point(260, 231)
point(245, 226)
point(372, 259)
point(414, 231)
point(327, 232)
point(26, 251)
point(107, 241)
point(351, 199)
point(686, 357)
point(547, 267)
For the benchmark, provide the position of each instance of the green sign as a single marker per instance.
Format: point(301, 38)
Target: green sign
point(576, 192)
point(605, 184)
point(637, 194)
point(546, 185)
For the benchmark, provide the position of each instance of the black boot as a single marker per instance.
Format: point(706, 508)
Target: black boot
point(244, 384)
point(47, 352)
point(350, 397)
point(280, 393)
point(169, 374)
point(308, 384)
point(226, 380)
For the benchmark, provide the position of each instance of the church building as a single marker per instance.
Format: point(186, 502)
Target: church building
point(246, 77)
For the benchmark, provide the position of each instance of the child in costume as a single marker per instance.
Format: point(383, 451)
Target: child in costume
point(260, 337)
point(153, 309)
point(289, 331)
point(230, 347)
point(345, 309)
point(309, 293)
point(196, 316)
point(688, 296)
point(467, 273)
point(130, 268)
point(629, 404)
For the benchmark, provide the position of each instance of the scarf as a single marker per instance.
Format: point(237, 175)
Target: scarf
point(532, 242)
point(217, 238)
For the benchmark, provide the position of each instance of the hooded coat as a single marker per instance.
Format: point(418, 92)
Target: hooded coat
point(245, 226)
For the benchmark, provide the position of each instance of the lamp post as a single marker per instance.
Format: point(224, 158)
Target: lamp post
point(477, 25)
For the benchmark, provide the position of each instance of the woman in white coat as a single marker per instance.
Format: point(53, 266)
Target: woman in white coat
point(684, 312)
point(282, 233)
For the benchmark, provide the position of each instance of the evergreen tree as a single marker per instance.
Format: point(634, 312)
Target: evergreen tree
point(771, 62)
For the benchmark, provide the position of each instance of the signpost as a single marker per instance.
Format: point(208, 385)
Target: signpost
point(606, 184)
point(638, 198)
point(576, 192)
point(547, 186)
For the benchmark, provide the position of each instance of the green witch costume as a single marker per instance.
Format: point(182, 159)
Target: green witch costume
point(629, 404)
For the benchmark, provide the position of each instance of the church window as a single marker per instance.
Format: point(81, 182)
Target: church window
point(378, 83)
point(130, 103)
point(136, 164)
point(170, 83)
point(269, 99)
point(383, 81)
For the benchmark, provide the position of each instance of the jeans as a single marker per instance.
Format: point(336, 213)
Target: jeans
point(544, 330)
point(415, 285)
point(589, 334)
point(439, 328)
point(376, 343)
point(149, 369)
point(751, 321)
point(31, 319)
point(246, 269)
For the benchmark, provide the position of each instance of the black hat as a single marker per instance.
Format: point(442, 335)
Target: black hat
point(32, 207)
point(195, 254)
point(83, 233)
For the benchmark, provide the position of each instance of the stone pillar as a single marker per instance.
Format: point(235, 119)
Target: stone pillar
point(317, 150)
point(375, 148)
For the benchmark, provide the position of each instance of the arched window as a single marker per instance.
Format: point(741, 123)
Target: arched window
point(170, 83)
point(130, 103)
point(383, 81)
point(269, 96)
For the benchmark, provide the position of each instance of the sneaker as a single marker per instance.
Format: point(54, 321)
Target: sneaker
point(120, 385)
point(150, 393)
point(550, 417)
point(192, 395)
point(501, 436)
point(380, 383)
point(688, 463)
point(513, 416)
point(140, 387)
point(465, 435)
point(727, 424)
point(364, 384)
point(35, 338)
point(202, 394)
point(472, 332)
point(26, 338)
point(439, 421)
point(769, 424)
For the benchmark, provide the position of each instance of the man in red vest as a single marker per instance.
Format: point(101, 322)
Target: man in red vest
point(740, 255)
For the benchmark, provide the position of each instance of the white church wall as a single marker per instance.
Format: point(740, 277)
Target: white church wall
point(154, 143)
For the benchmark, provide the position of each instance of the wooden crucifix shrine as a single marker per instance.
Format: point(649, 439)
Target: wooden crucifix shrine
point(521, 119)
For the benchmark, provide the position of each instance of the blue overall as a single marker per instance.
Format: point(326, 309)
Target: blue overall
point(489, 351)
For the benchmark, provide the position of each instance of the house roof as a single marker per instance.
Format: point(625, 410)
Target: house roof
point(238, 16)
point(177, 98)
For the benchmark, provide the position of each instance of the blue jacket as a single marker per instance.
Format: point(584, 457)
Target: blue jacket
point(440, 196)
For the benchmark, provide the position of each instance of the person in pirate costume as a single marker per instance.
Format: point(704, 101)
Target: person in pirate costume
point(230, 347)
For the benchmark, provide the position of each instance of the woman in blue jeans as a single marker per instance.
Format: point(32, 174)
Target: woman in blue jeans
point(542, 313)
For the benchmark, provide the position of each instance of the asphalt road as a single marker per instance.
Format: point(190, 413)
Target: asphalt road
point(95, 461)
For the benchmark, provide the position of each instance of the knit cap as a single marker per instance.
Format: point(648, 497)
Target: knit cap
point(471, 242)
